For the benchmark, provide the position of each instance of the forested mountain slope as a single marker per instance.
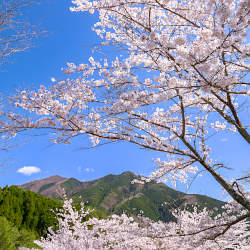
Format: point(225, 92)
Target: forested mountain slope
point(116, 194)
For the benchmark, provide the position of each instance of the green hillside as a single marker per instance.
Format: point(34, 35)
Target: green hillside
point(116, 194)
point(27, 210)
point(11, 238)
point(70, 184)
point(26, 216)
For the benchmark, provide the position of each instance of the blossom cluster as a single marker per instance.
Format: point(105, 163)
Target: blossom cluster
point(192, 230)
point(182, 78)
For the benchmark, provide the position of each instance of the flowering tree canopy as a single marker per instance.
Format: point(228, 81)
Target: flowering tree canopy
point(193, 230)
point(182, 77)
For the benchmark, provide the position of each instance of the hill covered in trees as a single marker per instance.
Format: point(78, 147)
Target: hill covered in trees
point(116, 194)
point(12, 238)
point(26, 216)
point(28, 210)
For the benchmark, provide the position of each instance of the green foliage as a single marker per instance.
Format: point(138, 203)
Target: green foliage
point(206, 201)
point(7, 233)
point(27, 210)
point(11, 238)
point(95, 212)
point(116, 194)
point(70, 184)
point(44, 187)
point(26, 238)
point(138, 205)
point(30, 213)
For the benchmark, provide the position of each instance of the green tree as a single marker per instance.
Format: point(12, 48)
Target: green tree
point(26, 238)
point(7, 232)
point(28, 210)
point(11, 238)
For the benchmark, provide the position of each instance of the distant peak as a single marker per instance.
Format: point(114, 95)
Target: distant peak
point(54, 176)
point(128, 173)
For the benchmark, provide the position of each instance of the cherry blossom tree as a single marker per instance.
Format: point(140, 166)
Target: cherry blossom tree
point(16, 34)
point(182, 77)
point(123, 232)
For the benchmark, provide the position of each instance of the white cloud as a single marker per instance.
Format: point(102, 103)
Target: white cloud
point(89, 170)
point(28, 170)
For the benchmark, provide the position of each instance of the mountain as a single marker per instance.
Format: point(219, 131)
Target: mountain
point(116, 194)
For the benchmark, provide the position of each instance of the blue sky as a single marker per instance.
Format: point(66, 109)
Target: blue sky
point(70, 39)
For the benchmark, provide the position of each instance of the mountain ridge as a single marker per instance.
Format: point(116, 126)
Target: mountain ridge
point(115, 194)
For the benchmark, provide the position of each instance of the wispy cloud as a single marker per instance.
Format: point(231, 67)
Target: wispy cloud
point(89, 170)
point(28, 170)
